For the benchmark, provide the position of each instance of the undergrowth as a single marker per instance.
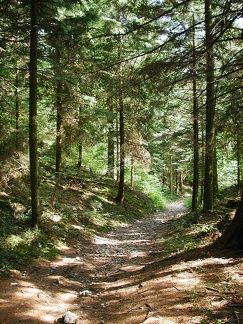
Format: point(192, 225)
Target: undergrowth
point(200, 230)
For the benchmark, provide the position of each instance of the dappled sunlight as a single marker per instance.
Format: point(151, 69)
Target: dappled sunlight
point(127, 274)
point(78, 227)
point(27, 302)
point(55, 218)
point(75, 260)
point(102, 240)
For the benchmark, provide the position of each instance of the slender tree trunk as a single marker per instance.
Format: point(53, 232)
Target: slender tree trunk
point(17, 107)
point(195, 155)
point(195, 133)
point(111, 149)
point(117, 146)
point(176, 180)
point(59, 122)
point(181, 182)
point(132, 169)
point(238, 157)
point(215, 171)
point(34, 175)
point(171, 172)
point(80, 146)
point(238, 170)
point(208, 198)
point(202, 165)
point(80, 156)
point(120, 195)
point(164, 174)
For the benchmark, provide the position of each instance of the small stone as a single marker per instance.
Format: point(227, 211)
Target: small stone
point(56, 281)
point(70, 318)
point(13, 284)
point(85, 293)
point(67, 318)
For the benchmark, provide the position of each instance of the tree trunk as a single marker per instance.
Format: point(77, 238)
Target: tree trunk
point(176, 181)
point(171, 173)
point(17, 106)
point(111, 149)
point(202, 164)
point(232, 237)
point(238, 157)
point(80, 145)
point(117, 147)
point(80, 156)
point(215, 172)
point(132, 169)
point(34, 176)
point(208, 198)
point(120, 195)
point(59, 122)
point(195, 133)
point(181, 182)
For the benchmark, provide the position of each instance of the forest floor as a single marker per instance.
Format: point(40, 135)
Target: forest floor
point(124, 277)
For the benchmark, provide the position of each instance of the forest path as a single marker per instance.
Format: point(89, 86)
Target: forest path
point(119, 277)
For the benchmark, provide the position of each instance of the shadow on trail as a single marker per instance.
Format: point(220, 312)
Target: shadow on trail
point(170, 289)
point(127, 280)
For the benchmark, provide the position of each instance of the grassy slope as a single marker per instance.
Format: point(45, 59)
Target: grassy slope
point(71, 210)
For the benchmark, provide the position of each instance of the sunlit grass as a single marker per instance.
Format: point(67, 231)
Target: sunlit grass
point(187, 234)
point(25, 246)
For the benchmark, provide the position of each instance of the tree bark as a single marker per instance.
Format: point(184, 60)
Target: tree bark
point(202, 164)
point(171, 173)
point(208, 198)
point(120, 195)
point(80, 156)
point(132, 169)
point(33, 152)
point(17, 106)
point(195, 133)
point(232, 238)
point(111, 148)
point(58, 122)
point(238, 157)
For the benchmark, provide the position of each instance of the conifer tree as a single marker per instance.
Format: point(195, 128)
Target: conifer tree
point(33, 138)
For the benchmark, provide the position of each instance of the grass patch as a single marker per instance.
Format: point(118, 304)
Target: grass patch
point(20, 245)
point(190, 232)
point(187, 236)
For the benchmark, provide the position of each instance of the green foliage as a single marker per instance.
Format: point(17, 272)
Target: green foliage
point(227, 172)
point(188, 202)
point(194, 231)
point(19, 244)
point(94, 157)
point(187, 235)
point(151, 186)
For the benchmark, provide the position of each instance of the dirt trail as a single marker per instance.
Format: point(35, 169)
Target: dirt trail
point(118, 278)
